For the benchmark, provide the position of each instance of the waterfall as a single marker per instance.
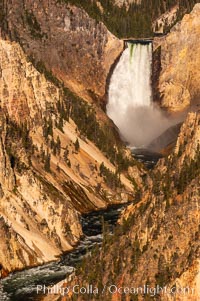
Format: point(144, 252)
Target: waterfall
point(130, 88)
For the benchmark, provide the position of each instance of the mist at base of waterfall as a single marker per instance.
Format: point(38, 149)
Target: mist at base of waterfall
point(139, 126)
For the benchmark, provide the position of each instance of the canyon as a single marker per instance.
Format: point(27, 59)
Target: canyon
point(61, 156)
point(160, 230)
point(47, 179)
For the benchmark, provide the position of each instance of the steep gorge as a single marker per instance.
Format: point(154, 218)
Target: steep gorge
point(53, 145)
point(156, 245)
point(50, 170)
point(157, 241)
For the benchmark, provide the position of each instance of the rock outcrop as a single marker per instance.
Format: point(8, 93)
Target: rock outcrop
point(25, 93)
point(75, 48)
point(179, 80)
point(166, 20)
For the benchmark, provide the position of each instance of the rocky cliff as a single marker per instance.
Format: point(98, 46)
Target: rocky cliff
point(179, 78)
point(51, 169)
point(154, 252)
point(35, 227)
point(166, 20)
point(75, 48)
point(158, 249)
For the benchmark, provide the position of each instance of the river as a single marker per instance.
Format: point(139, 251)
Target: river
point(21, 286)
point(147, 157)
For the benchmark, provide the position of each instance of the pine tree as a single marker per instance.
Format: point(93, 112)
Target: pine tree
point(50, 127)
point(58, 167)
point(69, 163)
point(58, 145)
point(60, 124)
point(42, 153)
point(77, 145)
point(47, 161)
point(47, 128)
point(66, 153)
point(102, 168)
point(53, 146)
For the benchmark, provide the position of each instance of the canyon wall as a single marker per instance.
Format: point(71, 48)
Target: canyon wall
point(179, 79)
point(75, 48)
point(167, 237)
point(59, 155)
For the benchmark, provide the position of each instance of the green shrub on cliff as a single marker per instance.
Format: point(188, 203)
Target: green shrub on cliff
point(111, 178)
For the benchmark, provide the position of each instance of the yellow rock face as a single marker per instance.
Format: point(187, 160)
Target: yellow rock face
point(24, 92)
point(179, 82)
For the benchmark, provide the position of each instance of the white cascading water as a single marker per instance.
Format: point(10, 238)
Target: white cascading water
point(130, 89)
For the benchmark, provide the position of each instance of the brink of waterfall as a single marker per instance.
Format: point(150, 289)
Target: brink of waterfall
point(130, 103)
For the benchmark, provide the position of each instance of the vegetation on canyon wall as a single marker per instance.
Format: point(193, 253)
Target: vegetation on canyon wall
point(83, 114)
point(134, 20)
